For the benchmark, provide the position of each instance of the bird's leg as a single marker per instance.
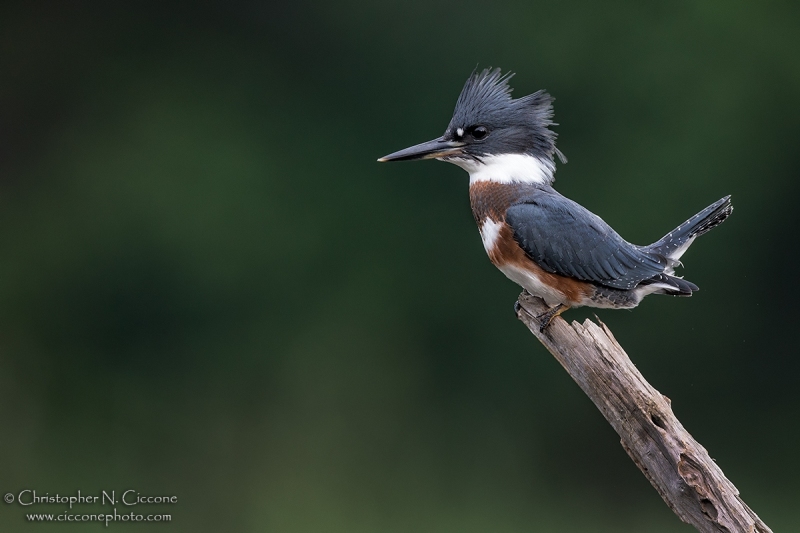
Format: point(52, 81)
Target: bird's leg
point(545, 318)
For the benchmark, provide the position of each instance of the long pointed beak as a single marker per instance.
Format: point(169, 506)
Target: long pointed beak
point(428, 150)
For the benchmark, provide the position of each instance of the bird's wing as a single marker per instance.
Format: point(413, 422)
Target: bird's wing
point(565, 238)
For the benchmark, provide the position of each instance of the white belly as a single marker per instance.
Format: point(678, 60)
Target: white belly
point(530, 282)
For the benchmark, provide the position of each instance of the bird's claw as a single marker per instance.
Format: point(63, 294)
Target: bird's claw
point(548, 316)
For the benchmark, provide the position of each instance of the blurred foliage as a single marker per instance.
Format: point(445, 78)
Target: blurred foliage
point(209, 288)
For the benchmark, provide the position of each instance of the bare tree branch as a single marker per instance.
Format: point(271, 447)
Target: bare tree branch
point(679, 468)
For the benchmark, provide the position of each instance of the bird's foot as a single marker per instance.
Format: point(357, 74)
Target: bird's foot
point(546, 317)
point(517, 305)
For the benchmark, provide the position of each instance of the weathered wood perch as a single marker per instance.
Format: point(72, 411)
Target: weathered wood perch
point(679, 468)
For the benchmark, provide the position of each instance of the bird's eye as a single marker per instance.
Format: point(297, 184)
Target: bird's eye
point(479, 132)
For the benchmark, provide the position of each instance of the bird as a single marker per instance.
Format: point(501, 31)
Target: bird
point(551, 246)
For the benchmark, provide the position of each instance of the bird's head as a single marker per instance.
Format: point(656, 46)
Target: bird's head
point(489, 128)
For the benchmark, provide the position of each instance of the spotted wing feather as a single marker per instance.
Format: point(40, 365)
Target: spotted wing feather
point(565, 238)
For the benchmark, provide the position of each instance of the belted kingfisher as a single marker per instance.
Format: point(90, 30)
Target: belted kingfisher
point(553, 247)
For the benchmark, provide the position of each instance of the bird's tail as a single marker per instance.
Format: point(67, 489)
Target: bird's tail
point(668, 284)
point(673, 245)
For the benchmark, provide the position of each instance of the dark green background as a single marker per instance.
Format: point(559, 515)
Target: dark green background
point(209, 288)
